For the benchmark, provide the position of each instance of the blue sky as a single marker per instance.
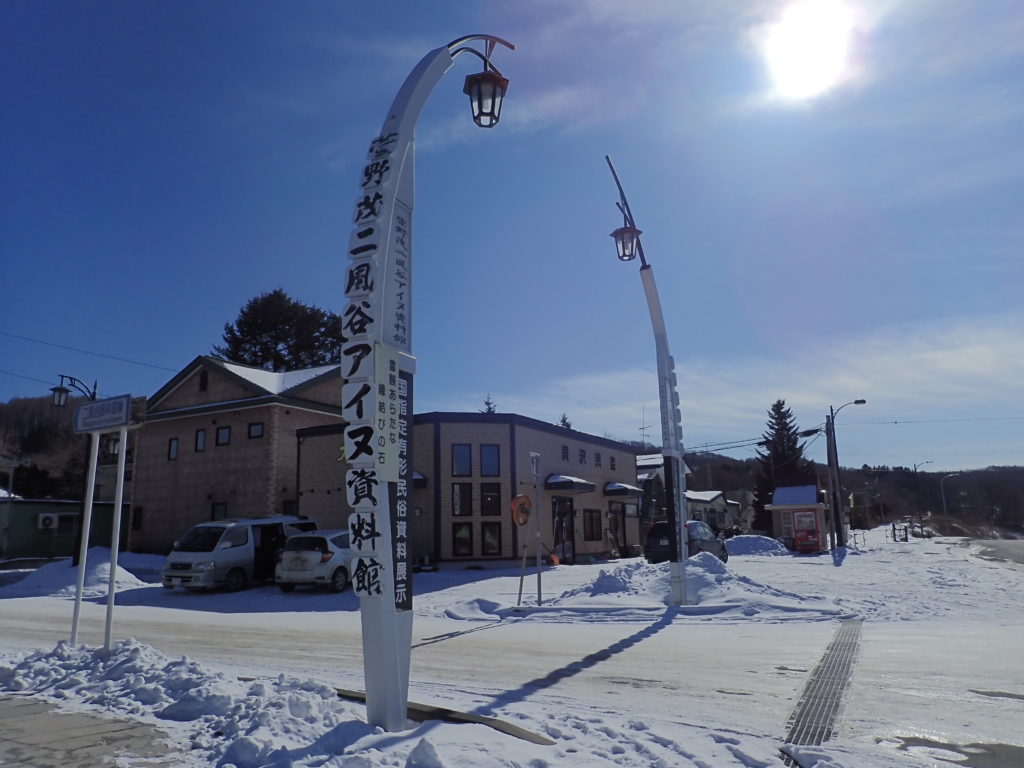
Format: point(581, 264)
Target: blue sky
point(165, 162)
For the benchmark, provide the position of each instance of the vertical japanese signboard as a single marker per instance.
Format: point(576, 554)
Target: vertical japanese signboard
point(377, 386)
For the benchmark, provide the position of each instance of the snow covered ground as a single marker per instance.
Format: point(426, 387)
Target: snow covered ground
point(603, 668)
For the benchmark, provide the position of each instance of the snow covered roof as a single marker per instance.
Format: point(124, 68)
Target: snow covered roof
point(275, 383)
point(706, 496)
point(5, 494)
point(796, 494)
point(649, 461)
point(655, 461)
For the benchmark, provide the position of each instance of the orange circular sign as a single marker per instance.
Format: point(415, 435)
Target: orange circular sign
point(521, 506)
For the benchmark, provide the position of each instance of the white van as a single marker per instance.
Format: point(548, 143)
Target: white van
point(230, 553)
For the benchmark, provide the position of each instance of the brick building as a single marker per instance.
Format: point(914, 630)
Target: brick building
point(219, 441)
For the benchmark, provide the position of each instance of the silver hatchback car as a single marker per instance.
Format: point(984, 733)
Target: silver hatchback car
point(319, 559)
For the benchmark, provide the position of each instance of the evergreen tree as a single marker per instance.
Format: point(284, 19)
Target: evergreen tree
point(564, 422)
point(489, 405)
point(278, 333)
point(782, 459)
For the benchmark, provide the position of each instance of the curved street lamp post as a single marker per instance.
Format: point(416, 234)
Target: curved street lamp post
point(835, 494)
point(629, 247)
point(942, 491)
point(377, 372)
point(60, 398)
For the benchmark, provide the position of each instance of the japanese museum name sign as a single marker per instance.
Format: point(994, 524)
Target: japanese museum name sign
point(376, 392)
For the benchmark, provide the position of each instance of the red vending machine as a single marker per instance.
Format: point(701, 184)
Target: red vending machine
point(806, 535)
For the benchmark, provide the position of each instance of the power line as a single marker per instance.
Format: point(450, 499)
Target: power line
point(979, 418)
point(85, 352)
point(27, 378)
point(932, 421)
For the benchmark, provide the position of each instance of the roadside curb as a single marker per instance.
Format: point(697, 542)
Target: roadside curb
point(423, 712)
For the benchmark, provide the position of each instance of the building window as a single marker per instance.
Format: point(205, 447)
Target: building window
point(218, 511)
point(490, 498)
point(490, 538)
point(490, 460)
point(597, 459)
point(462, 539)
point(137, 519)
point(462, 460)
point(223, 435)
point(611, 463)
point(172, 449)
point(462, 499)
point(256, 430)
point(565, 453)
point(583, 456)
point(200, 440)
point(204, 380)
point(591, 524)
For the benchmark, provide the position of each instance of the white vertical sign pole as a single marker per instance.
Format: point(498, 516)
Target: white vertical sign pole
point(115, 535)
point(94, 449)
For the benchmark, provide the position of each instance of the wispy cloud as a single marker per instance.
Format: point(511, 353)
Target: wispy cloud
point(970, 367)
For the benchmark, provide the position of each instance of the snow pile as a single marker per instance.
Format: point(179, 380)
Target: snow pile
point(60, 578)
point(276, 722)
point(637, 590)
point(754, 545)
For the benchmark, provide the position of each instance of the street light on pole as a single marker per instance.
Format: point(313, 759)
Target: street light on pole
point(60, 398)
point(835, 495)
point(629, 247)
point(377, 372)
point(942, 492)
point(917, 495)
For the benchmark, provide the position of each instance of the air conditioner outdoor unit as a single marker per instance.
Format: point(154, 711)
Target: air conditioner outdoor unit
point(47, 521)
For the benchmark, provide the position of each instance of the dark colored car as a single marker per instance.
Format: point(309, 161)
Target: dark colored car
point(700, 539)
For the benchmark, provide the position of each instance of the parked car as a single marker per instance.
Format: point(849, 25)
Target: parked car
point(700, 539)
point(317, 559)
point(229, 553)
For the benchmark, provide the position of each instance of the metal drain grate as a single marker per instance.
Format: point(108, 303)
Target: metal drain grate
point(813, 720)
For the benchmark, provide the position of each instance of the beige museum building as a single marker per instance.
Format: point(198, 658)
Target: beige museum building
point(467, 468)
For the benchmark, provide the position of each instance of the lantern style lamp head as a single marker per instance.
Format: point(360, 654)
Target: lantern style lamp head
point(486, 91)
point(60, 395)
point(627, 242)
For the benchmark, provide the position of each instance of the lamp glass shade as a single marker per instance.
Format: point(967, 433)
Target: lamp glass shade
point(486, 90)
point(627, 242)
point(60, 395)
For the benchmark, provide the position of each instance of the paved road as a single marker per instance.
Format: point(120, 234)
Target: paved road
point(1002, 549)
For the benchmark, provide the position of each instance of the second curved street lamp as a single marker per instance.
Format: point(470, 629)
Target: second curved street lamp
point(628, 247)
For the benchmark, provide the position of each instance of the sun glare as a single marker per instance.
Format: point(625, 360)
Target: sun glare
point(807, 48)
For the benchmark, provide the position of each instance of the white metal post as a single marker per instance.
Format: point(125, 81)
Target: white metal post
point(115, 535)
point(535, 466)
point(94, 447)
